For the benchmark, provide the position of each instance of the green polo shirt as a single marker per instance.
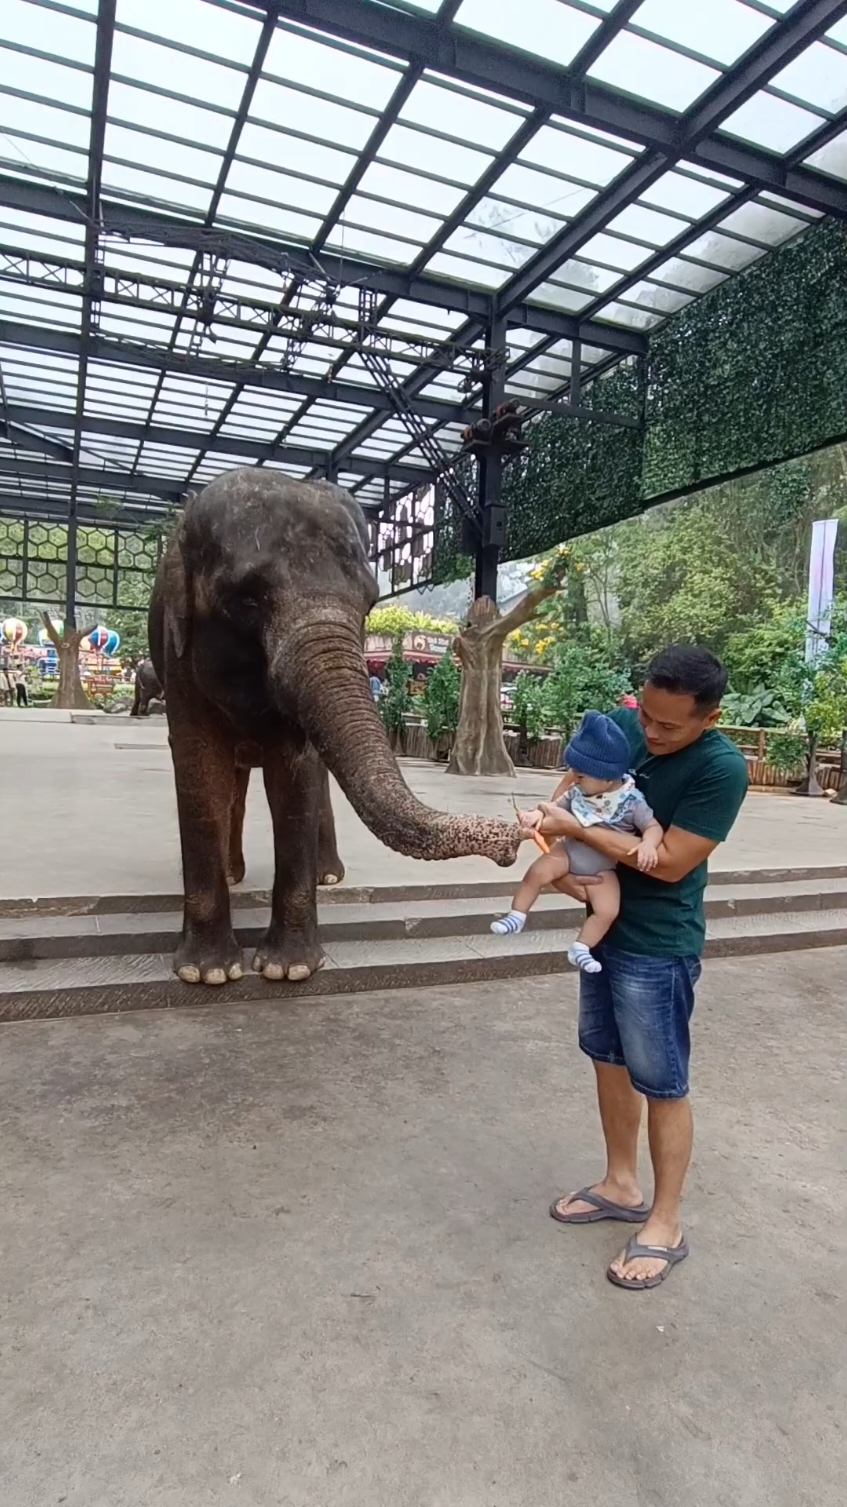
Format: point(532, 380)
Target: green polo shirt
point(701, 789)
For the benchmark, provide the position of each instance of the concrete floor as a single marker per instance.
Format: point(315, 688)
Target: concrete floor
point(300, 1257)
point(97, 815)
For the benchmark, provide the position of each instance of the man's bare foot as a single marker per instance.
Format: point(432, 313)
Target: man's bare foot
point(628, 1195)
point(657, 1231)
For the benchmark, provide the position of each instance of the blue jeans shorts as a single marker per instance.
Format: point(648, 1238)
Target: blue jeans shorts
point(636, 1013)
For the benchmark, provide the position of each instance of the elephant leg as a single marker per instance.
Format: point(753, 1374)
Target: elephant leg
point(204, 769)
point(235, 867)
point(330, 867)
point(290, 948)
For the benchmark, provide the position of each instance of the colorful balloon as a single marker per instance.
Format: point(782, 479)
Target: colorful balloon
point(14, 630)
point(44, 638)
point(104, 641)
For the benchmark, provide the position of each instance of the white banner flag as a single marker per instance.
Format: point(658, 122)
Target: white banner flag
point(820, 587)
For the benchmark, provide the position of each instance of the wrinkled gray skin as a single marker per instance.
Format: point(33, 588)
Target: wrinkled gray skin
point(256, 632)
point(147, 689)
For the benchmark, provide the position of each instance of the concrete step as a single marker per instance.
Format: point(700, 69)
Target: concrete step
point(32, 989)
point(107, 934)
point(140, 904)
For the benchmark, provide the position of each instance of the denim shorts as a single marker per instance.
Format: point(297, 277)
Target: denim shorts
point(635, 1014)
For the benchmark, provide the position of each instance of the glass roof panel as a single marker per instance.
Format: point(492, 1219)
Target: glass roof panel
point(494, 248)
point(514, 222)
point(157, 154)
point(411, 189)
point(555, 296)
point(771, 122)
point(318, 65)
point(41, 157)
point(380, 247)
point(761, 223)
point(677, 192)
point(663, 77)
point(647, 225)
point(68, 37)
point(270, 216)
point(460, 269)
point(154, 185)
point(289, 108)
point(565, 152)
point(720, 29)
point(636, 319)
point(543, 190)
point(298, 193)
point(153, 63)
point(685, 274)
point(18, 114)
point(614, 252)
point(549, 28)
point(818, 77)
point(446, 159)
point(459, 115)
point(276, 149)
point(724, 251)
point(68, 86)
point(388, 217)
point(140, 107)
point(227, 34)
point(831, 158)
point(581, 275)
point(663, 300)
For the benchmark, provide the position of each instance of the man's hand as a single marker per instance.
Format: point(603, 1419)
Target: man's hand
point(578, 886)
point(557, 822)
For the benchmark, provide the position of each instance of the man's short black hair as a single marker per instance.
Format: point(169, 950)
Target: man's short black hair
point(688, 670)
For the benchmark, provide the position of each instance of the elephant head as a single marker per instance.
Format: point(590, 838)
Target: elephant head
point(270, 577)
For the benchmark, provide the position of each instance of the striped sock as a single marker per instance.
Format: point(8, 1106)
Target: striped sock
point(580, 956)
point(514, 922)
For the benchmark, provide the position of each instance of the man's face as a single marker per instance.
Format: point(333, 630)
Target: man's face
point(671, 721)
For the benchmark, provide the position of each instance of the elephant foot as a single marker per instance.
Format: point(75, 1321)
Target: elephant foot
point(330, 870)
point(235, 872)
point(288, 955)
point(200, 960)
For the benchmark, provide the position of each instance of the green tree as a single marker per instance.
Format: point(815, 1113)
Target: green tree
point(581, 681)
point(441, 701)
point(395, 700)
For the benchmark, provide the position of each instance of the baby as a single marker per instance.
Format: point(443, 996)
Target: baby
point(597, 789)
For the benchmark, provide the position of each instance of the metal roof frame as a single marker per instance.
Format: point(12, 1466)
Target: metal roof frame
point(382, 429)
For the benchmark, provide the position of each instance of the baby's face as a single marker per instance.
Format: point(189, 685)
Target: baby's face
point(591, 786)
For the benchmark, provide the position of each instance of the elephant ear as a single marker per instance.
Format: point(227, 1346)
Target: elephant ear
point(177, 596)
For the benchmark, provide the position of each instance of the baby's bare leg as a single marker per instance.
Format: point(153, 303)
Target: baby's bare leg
point(605, 905)
point(546, 870)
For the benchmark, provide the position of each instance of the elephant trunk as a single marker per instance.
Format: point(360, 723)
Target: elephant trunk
point(336, 709)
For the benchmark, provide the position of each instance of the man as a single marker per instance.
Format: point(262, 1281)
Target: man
point(634, 1014)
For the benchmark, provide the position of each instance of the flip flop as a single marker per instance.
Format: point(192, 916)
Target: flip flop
point(603, 1209)
point(673, 1254)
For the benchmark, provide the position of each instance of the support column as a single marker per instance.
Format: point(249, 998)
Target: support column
point(492, 527)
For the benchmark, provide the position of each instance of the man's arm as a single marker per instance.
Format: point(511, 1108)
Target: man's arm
point(678, 853)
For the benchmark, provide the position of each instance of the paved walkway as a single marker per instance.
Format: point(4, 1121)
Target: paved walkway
point(300, 1255)
point(90, 809)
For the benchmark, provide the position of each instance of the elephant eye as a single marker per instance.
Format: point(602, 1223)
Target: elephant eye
point(251, 603)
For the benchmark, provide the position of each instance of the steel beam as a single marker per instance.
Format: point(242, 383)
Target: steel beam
point(23, 415)
point(475, 60)
point(220, 369)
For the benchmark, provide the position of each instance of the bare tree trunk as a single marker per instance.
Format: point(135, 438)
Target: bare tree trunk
point(810, 784)
point(479, 746)
point(69, 692)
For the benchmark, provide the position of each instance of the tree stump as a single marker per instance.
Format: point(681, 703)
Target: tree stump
point(479, 746)
point(70, 692)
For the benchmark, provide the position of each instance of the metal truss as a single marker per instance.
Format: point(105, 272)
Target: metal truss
point(310, 315)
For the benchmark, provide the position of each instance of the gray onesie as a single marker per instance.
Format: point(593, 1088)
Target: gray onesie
point(630, 814)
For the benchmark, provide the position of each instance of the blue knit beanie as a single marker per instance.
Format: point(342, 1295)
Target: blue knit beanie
point(598, 748)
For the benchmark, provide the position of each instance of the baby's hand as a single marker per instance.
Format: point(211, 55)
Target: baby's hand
point(646, 856)
point(531, 819)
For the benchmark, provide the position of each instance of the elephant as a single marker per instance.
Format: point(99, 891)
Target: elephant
point(147, 688)
point(257, 636)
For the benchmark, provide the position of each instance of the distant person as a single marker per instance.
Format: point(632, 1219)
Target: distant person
point(634, 1015)
point(21, 692)
point(376, 687)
